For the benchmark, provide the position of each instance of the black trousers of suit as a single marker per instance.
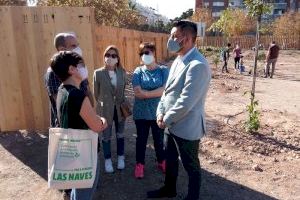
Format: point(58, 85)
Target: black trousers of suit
point(189, 156)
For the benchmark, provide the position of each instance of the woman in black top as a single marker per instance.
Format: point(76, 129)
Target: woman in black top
point(74, 109)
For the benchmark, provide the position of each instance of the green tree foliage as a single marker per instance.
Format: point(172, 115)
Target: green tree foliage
point(253, 123)
point(233, 22)
point(185, 15)
point(158, 27)
point(121, 13)
point(257, 8)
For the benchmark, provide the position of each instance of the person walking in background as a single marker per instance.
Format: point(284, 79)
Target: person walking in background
point(181, 110)
point(74, 109)
point(148, 83)
point(225, 56)
point(237, 56)
point(63, 42)
point(271, 58)
point(109, 91)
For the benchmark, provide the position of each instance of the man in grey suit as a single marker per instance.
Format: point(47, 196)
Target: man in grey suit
point(181, 110)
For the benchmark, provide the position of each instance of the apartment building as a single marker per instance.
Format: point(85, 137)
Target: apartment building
point(217, 6)
point(279, 7)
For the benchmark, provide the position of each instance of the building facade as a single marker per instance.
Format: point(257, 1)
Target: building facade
point(279, 7)
point(217, 6)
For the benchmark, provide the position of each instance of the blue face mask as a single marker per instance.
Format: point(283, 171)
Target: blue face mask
point(173, 46)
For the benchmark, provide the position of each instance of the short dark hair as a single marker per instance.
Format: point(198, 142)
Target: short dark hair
point(59, 40)
point(146, 45)
point(61, 62)
point(228, 44)
point(187, 26)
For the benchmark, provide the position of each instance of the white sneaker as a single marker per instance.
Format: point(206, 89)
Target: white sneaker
point(121, 162)
point(108, 166)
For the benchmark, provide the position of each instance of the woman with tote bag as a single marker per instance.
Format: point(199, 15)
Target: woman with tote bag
point(73, 106)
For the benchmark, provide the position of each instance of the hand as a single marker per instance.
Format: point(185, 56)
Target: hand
point(139, 93)
point(104, 123)
point(161, 124)
point(143, 94)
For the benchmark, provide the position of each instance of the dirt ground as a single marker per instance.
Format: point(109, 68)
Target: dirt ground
point(235, 165)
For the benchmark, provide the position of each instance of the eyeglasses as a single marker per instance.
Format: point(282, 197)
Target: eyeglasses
point(107, 55)
point(144, 52)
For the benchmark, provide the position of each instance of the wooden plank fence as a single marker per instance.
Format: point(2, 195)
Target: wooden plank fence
point(26, 45)
point(128, 42)
point(247, 42)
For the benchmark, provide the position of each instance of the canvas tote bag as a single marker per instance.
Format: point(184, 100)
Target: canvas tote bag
point(72, 158)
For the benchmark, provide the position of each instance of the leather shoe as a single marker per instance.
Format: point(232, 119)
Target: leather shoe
point(161, 193)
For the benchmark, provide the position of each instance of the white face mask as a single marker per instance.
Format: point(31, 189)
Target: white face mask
point(83, 72)
point(147, 59)
point(78, 51)
point(111, 62)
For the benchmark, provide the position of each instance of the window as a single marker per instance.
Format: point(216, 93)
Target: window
point(278, 12)
point(218, 3)
point(216, 14)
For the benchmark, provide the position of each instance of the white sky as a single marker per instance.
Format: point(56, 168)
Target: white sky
point(169, 8)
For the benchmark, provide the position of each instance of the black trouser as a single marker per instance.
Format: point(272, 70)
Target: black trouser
point(189, 156)
point(143, 128)
point(225, 66)
point(53, 112)
point(236, 62)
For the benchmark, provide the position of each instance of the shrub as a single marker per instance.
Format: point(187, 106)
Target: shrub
point(252, 124)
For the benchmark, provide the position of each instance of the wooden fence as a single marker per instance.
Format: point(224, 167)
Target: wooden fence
point(26, 44)
point(247, 42)
point(128, 42)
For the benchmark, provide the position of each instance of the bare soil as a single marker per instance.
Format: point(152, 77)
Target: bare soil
point(236, 165)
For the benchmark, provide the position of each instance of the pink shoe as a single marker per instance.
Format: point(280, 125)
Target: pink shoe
point(162, 166)
point(139, 170)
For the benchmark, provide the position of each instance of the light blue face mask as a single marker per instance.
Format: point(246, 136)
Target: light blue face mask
point(173, 46)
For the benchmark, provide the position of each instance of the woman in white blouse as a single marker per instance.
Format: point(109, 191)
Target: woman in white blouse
point(109, 86)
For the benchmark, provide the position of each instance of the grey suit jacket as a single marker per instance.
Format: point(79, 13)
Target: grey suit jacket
point(182, 102)
point(107, 96)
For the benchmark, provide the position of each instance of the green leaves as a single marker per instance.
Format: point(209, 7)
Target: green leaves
point(253, 123)
point(261, 56)
point(233, 22)
point(256, 8)
point(216, 60)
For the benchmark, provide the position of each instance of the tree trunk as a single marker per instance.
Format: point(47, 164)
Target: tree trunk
point(255, 59)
